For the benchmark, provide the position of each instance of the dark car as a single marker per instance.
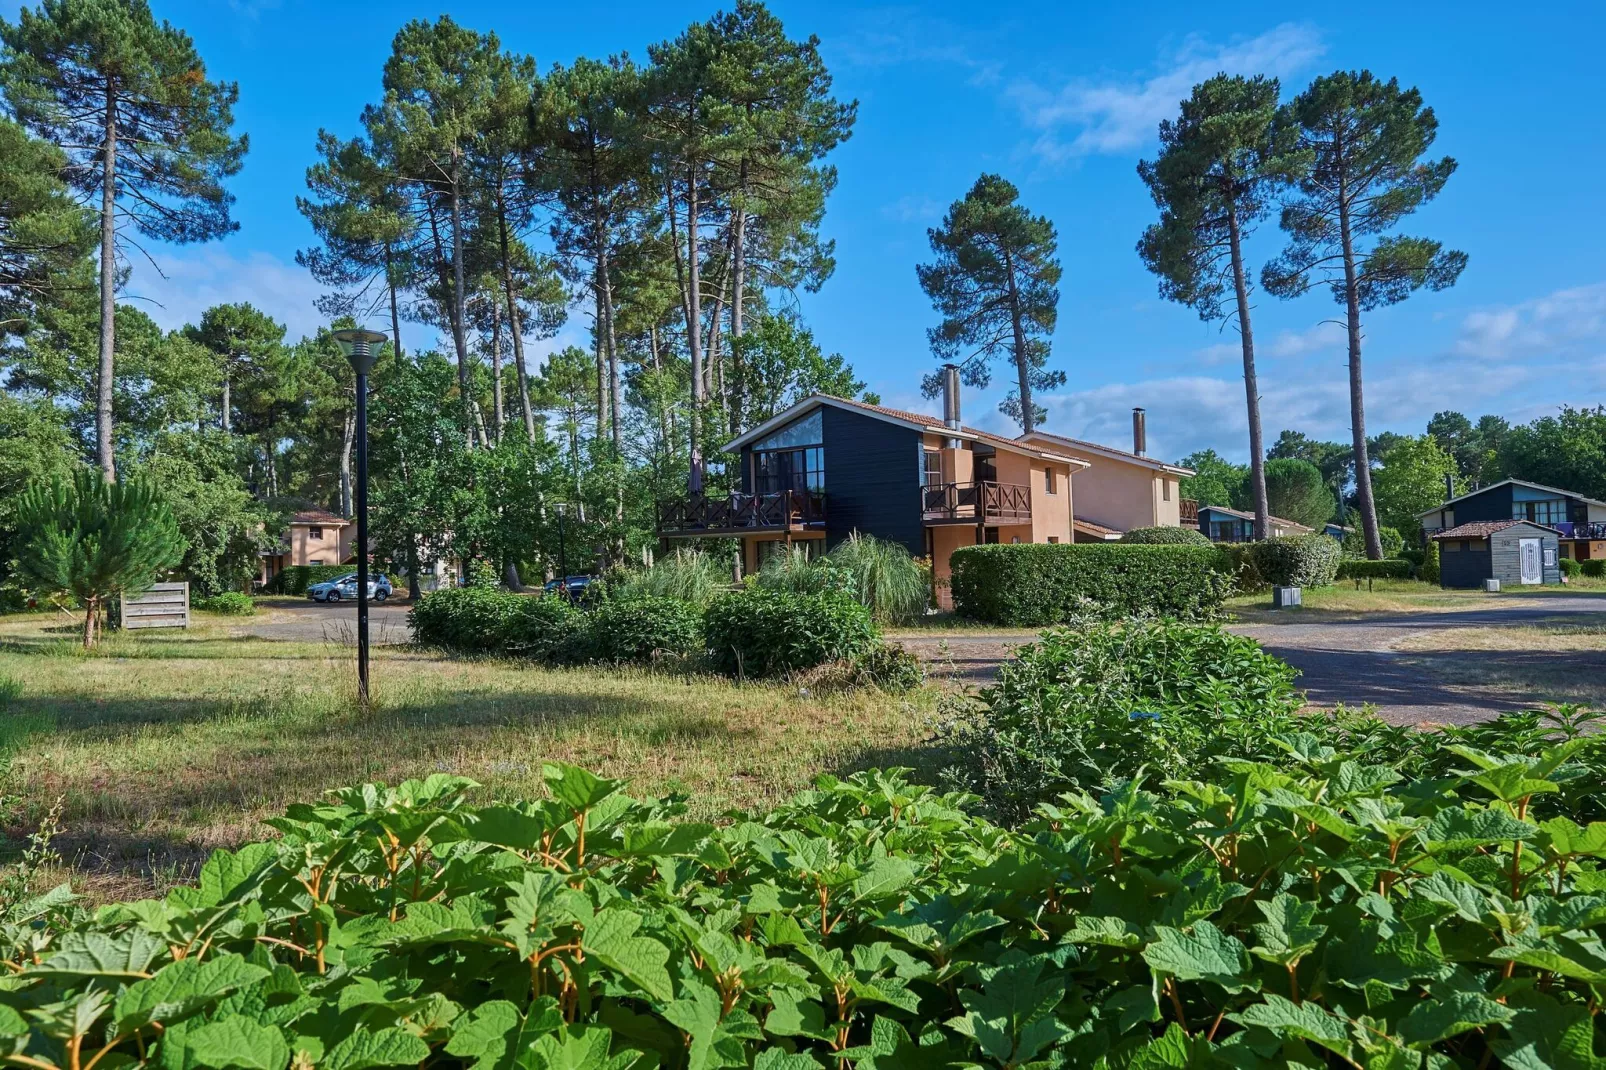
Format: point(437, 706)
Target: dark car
point(573, 588)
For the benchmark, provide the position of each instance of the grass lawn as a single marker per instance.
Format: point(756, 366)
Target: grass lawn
point(164, 745)
point(1560, 661)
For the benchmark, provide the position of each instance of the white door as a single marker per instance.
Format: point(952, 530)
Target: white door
point(1531, 562)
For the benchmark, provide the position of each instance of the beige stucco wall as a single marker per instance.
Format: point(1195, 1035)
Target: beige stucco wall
point(332, 549)
point(1124, 496)
point(945, 539)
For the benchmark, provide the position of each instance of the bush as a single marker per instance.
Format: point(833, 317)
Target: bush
point(689, 575)
point(1397, 569)
point(1238, 562)
point(544, 628)
point(1569, 567)
point(795, 572)
point(1029, 584)
point(1449, 927)
point(474, 620)
point(891, 668)
point(1429, 572)
point(1595, 568)
point(1416, 557)
point(760, 632)
point(640, 630)
point(1297, 560)
point(295, 579)
point(886, 580)
point(1354, 544)
point(229, 604)
point(1083, 708)
point(1167, 537)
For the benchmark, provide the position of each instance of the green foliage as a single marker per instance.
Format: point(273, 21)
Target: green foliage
point(1040, 583)
point(1410, 482)
point(689, 575)
point(43, 232)
point(1297, 560)
point(1358, 568)
point(995, 282)
point(1295, 490)
point(1429, 569)
point(641, 629)
point(93, 540)
point(545, 628)
point(1167, 536)
point(1354, 542)
point(1274, 914)
point(1085, 708)
point(760, 632)
point(1215, 481)
point(886, 580)
point(1566, 451)
point(227, 604)
point(1238, 561)
point(794, 571)
point(892, 668)
point(1569, 567)
point(474, 620)
point(224, 527)
point(1594, 568)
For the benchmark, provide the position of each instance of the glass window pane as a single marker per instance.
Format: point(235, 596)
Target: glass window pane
point(808, 431)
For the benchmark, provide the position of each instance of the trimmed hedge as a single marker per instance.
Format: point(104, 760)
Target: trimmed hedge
point(1394, 569)
point(759, 632)
point(1594, 568)
point(1034, 584)
point(1297, 560)
point(474, 620)
point(1166, 537)
point(1238, 561)
point(1569, 567)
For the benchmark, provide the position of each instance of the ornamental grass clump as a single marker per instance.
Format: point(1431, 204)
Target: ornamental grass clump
point(688, 575)
point(886, 579)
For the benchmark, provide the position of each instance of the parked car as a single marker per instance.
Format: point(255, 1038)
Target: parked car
point(345, 587)
point(573, 588)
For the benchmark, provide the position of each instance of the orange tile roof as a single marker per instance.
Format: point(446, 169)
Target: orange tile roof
point(934, 421)
point(318, 517)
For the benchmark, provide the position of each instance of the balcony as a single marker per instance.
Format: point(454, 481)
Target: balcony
point(1582, 531)
point(980, 502)
point(741, 514)
point(1189, 512)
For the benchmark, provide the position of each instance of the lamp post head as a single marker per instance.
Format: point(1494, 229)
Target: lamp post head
point(358, 345)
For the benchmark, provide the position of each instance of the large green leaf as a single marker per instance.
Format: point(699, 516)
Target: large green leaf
point(1546, 1034)
point(611, 939)
point(127, 955)
point(1450, 1014)
point(386, 1047)
point(1303, 1021)
point(1205, 954)
point(181, 989)
point(236, 1042)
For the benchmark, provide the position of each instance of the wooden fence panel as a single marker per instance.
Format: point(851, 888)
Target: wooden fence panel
point(165, 605)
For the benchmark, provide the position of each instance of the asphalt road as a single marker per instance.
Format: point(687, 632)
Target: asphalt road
point(313, 622)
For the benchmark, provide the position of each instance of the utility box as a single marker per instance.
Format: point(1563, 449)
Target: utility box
point(165, 605)
point(1492, 586)
point(1286, 598)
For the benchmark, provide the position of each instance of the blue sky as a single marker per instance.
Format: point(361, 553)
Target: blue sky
point(1062, 99)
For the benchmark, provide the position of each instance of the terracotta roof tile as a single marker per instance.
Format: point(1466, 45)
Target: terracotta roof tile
point(1479, 529)
point(318, 516)
point(936, 421)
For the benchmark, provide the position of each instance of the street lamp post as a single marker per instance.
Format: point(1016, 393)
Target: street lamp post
point(563, 560)
point(359, 346)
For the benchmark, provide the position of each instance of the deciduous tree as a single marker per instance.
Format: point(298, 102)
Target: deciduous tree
point(1412, 481)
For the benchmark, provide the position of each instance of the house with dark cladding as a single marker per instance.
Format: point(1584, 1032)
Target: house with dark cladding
point(1515, 552)
point(1578, 523)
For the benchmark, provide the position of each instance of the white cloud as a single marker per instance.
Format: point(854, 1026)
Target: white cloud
point(1559, 321)
point(1322, 338)
point(1087, 117)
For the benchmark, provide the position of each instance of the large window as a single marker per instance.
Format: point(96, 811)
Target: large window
point(933, 469)
point(792, 458)
point(1550, 512)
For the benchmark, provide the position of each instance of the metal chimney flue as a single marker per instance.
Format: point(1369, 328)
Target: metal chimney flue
point(1140, 433)
point(1449, 486)
point(950, 401)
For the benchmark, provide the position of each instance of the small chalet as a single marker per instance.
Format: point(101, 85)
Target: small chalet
point(1221, 524)
point(311, 537)
point(1515, 552)
point(1578, 523)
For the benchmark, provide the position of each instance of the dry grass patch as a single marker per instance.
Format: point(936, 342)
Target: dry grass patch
point(1560, 661)
point(166, 745)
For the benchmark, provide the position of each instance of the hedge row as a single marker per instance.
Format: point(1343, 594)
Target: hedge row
point(1594, 568)
point(1297, 560)
point(748, 633)
point(1392, 569)
point(1034, 584)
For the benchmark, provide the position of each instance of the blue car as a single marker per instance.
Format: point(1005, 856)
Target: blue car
point(344, 588)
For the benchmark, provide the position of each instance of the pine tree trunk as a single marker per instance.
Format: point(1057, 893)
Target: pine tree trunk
point(395, 315)
point(459, 285)
point(497, 415)
point(666, 418)
point(738, 400)
point(602, 362)
point(1257, 452)
point(93, 604)
point(513, 322)
point(108, 292)
point(604, 276)
point(694, 334)
point(1028, 414)
point(347, 439)
point(1357, 403)
point(227, 421)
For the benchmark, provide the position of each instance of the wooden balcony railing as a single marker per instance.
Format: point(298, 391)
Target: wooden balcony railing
point(736, 514)
point(1190, 512)
point(977, 502)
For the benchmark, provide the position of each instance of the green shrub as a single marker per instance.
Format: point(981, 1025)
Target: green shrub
point(1029, 584)
point(295, 579)
point(1569, 567)
point(640, 630)
point(761, 632)
point(689, 575)
point(1297, 560)
point(1594, 568)
point(1416, 557)
point(1355, 542)
point(1306, 913)
point(892, 668)
point(885, 578)
point(474, 620)
point(1396, 569)
point(1238, 562)
point(793, 571)
point(1085, 707)
point(544, 628)
point(1167, 537)
point(229, 604)
point(1429, 572)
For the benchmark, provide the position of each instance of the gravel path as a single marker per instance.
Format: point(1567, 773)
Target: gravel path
point(1352, 661)
point(315, 622)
